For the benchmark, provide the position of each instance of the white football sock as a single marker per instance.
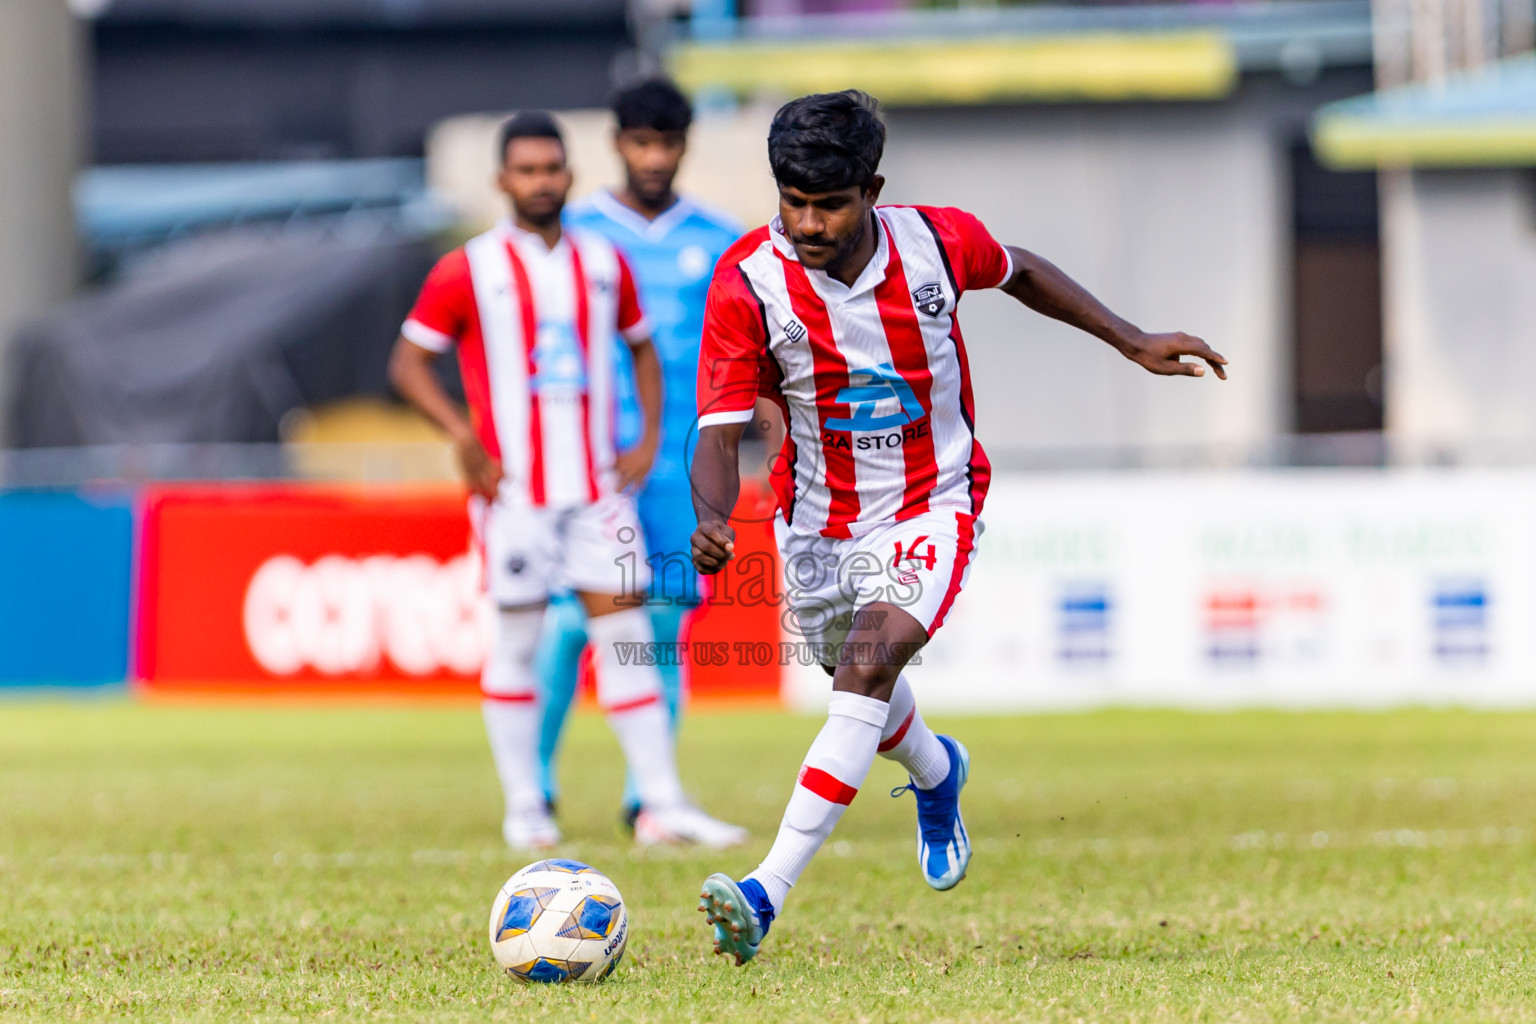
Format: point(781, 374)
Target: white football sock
point(907, 740)
point(511, 708)
point(630, 693)
point(834, 769)
point(513, 729)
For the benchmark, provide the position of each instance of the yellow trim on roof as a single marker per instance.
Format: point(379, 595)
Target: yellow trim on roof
point(1101, 66)
point(1354, 143)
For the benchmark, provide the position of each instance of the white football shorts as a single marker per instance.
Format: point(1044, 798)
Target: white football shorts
point(532, 551)
point(919, 565)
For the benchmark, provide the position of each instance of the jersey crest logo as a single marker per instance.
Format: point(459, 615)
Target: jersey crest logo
point(868, 387)
point(794, 331)
point(929, 299)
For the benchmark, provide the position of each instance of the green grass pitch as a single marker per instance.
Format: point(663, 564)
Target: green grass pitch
point(332, 863)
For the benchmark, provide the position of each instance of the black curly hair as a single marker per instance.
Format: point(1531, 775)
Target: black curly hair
point(827, 142)
point(655, 103)
point(527, 124)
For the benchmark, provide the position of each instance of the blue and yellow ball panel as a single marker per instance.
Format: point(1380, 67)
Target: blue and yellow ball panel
point(593, 918)
point(523, 909)
point(573, 867)
point(549, 971)
point(544, 894)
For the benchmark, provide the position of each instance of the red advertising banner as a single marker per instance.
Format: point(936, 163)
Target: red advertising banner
point(328, 590)
point(734, 639)
point(258, 588)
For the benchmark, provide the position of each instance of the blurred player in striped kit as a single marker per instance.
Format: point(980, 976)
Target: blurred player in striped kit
point(534, 310)
point(673, 243)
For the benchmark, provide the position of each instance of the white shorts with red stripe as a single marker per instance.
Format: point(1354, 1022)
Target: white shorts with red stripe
point(533, 551)
point(919, 565)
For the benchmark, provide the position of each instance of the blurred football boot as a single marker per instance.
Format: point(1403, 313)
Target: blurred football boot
point(530, 828)
point(685, 823)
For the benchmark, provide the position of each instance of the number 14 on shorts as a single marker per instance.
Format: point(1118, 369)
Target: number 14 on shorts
point(925, 557)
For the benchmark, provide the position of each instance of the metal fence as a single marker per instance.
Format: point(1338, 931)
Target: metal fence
point(428, 462)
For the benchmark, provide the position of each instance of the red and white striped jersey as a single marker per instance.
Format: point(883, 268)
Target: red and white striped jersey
point(535, 331)
point(872, 379)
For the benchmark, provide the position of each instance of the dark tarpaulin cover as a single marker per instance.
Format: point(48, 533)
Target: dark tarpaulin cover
point(215, 339)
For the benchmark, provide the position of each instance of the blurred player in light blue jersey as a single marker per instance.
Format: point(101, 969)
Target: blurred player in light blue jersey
point(673, 243)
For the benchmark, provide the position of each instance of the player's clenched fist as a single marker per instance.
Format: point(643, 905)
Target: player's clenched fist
point(481, 472)
point(714, 543)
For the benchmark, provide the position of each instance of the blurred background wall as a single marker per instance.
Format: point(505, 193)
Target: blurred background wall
point(1465, 333)
point(1211, 216)
point(1174, 216)
point(43, 78)
point(202, 81)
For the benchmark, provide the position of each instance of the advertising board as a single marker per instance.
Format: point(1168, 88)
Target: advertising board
point(290, 589)
point(1298, 588)
point(65, 587)
point(320, 589)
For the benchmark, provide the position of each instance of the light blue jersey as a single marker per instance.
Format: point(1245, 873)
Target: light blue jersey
point(673, 258)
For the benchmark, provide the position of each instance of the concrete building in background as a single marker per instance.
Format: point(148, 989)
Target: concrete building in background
point(1159, 155)
point(726, 165)
point(1461, 310)
point(1191, 216)
point(1458, 162)
point(1176, 216)
point(40, 150)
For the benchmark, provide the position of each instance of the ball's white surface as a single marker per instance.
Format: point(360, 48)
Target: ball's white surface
point(559, 920)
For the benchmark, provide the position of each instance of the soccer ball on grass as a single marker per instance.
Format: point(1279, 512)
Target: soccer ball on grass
point(559, 920)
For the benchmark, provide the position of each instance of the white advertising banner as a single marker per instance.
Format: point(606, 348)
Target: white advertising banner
point(1284, 588)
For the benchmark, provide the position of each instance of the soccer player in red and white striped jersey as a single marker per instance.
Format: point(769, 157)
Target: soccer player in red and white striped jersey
point(535, 311)
point(844, 313)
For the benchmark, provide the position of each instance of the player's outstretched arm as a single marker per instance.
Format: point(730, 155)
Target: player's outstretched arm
point(716, 478)
point(1044, 288)
point(410, 371)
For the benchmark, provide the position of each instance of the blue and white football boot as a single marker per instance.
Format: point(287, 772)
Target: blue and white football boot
point(943, 847)
point(741, 913)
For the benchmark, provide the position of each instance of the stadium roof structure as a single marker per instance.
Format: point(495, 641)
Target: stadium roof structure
point(305, 14)
point(131, 206)
point(1182, 51)
point(1482, 118)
